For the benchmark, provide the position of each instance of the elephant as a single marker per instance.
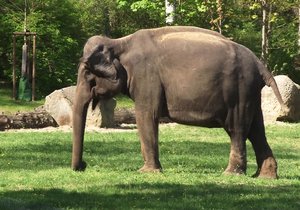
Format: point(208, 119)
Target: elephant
point(192, 75)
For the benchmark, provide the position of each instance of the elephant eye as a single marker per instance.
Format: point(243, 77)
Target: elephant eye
point(100, 48)
point(105, 60)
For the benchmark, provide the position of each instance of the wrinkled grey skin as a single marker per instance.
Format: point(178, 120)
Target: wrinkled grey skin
point(194, 76)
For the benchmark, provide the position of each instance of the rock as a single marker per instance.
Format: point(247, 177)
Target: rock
point(290, 93)
point(59, 105)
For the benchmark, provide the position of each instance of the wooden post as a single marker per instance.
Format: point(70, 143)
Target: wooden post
point(33, 62)
point(14, 68)
point(33, 67)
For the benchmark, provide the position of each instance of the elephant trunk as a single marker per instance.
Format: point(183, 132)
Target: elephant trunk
point(79, 117)
point(82, 99)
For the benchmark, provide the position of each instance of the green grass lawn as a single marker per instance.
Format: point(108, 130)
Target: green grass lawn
point(35, 172)
point(10, 106)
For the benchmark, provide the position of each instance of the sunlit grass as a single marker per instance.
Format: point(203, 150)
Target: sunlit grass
point(35, 172)
point(9, 106)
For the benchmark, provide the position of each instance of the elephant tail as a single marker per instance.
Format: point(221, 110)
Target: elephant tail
point(270, 81)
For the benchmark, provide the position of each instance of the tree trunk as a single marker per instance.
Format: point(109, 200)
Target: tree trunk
point(265, 31)
point(297, 57)
point(127, 116)
point(220, 15)
point(106, 15)
point(215, 21)
point(299, 30)
point(170, 12)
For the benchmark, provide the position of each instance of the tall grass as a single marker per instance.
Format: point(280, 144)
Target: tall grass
point(35, 172)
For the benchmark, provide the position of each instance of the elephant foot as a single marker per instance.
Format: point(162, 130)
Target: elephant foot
point(151, 169)
point(80, 166)
point(237, 164)
point(268, 169)
point(230, 170)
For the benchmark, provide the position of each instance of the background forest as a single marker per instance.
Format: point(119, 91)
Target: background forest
point(63, 27)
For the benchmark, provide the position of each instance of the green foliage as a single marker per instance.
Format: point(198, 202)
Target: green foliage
point(64, 26)
point(284, 43)
point(35, 172)
point(9, 20)
point(56, 23)
point(58, 40)
point(140, 14)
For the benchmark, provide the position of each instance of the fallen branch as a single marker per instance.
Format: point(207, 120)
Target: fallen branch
point(27, 120)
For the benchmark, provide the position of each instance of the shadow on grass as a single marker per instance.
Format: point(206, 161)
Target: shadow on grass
point(156, 196)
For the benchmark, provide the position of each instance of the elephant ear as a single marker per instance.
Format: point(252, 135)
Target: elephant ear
point(121, 72)
point(122, 76)
point(100, 62)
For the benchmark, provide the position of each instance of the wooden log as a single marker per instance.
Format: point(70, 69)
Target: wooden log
point(127, 116)
point(27, 120)
point(41, 119)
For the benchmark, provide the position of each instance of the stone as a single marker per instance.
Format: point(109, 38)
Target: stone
point(59, 105)
point(290, 93)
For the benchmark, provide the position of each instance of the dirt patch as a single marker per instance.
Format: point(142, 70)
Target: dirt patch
point(121, 128)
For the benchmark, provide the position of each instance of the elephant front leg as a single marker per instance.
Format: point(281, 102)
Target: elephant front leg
point(147, 124)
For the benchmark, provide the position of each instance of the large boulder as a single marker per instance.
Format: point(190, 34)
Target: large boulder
point(290, 93)
point(59, 105)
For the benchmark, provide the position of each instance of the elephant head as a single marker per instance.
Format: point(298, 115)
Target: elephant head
point(108, 75)
point(106, 68)
point(100, 76)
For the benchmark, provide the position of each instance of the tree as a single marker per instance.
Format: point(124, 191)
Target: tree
point(64, 26)
point(283, 38)
point(266, 29)
point(58, 39)
point(170, 12)
point(10, 19)
point(299, 30)
point(215, 9)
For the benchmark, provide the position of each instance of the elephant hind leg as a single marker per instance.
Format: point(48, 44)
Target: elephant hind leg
point(236, 129)
point(266, 163)
point(237, 158)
